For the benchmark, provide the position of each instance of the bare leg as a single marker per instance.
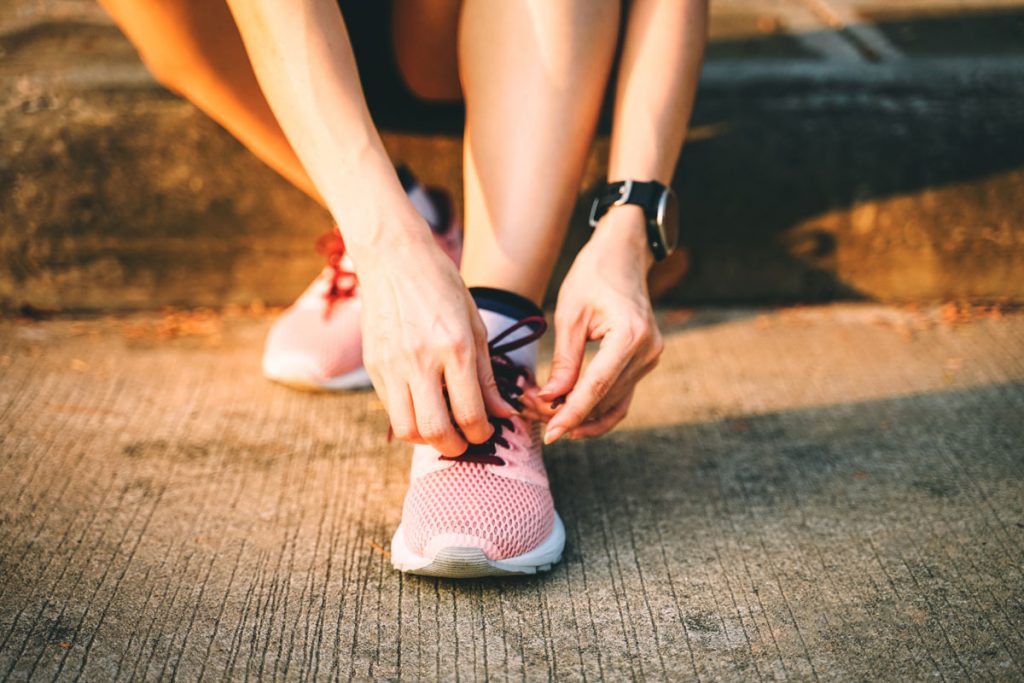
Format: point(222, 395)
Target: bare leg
point(193, 48)
point(534, 73)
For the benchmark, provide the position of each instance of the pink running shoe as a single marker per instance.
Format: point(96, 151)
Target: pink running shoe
point(317, 342)
point(487, 512)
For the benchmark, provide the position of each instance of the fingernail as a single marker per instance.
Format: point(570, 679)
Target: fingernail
point(557, 402)
point(552, 434)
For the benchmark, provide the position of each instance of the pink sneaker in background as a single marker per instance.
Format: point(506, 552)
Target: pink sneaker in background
point(489, 511)
point(316, 344)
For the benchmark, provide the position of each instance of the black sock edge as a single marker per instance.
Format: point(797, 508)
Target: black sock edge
point(504, 302)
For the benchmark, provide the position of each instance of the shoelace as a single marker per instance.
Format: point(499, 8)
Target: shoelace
point(343, 282)
point(507, 374)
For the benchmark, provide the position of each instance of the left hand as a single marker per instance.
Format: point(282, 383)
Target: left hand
point(603, 297)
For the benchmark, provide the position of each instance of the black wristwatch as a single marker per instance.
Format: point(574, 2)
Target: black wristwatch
point(660, 205)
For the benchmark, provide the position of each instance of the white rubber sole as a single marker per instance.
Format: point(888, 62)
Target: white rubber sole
point(469, 562)
point(294, 373)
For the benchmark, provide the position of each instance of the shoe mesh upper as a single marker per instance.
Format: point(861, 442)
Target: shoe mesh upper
point(513, 517)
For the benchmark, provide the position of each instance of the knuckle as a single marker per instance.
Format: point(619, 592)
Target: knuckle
point(433, 431)
point(420, 351)
point(600, 385)
point(405, 432)
point(471, 419)
point(461, 347)
point(657, 346)
point(641, 328)
point(638, 334)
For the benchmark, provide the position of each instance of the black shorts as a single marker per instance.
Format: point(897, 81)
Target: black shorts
point(392, 105)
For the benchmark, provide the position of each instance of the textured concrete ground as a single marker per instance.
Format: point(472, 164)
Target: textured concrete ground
point(825, 493)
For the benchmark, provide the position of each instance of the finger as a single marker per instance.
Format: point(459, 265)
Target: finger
point(641, 363)
point(379, 385)
point(595, 383)
point(605, 423)
point(534, 407)
point(570, 344)
point(493, 401)
point(467, 403)
point(432, 418)
point(637, 368)
point(634, 371)
point(622, 389)
point(400, 412)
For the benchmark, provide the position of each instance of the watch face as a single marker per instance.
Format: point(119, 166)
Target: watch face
point(668, 219)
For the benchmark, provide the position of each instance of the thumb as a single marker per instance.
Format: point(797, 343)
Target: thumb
point(570, 344)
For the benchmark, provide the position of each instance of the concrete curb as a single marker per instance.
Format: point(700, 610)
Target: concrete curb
point(803, 180)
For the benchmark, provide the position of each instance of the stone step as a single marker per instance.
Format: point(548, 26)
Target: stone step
point(838, 150)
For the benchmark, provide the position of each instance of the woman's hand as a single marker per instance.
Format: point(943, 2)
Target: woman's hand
point(604, 297)
point(422, 333)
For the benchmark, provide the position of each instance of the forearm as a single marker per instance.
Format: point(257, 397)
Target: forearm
point(304, 63)
point(657, 83)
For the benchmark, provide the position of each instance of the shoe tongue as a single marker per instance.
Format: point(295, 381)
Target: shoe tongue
point(496, 323)
point(500, 309)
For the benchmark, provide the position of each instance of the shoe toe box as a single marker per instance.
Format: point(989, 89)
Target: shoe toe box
point(468, 505)
point(304, 344)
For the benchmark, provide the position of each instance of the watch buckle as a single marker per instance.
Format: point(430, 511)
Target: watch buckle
point(625, 192)
point(593, 212)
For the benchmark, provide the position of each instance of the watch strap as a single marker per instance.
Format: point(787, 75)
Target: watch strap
point(645, 194)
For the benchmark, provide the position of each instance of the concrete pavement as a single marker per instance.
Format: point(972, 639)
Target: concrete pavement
point(828, 493)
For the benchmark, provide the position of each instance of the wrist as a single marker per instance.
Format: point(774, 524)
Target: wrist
point(623, 230)
point(399, 247)
point(375, 216)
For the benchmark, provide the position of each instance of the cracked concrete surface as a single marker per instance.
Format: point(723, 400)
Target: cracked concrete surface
point(819, 493)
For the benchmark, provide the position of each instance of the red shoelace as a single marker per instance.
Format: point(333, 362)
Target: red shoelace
point(343, 282)
point(507, 374)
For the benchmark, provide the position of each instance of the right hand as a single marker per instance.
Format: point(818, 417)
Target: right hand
point(422, 333)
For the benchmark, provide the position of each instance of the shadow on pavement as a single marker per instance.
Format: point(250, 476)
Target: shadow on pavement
point(870, 539)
